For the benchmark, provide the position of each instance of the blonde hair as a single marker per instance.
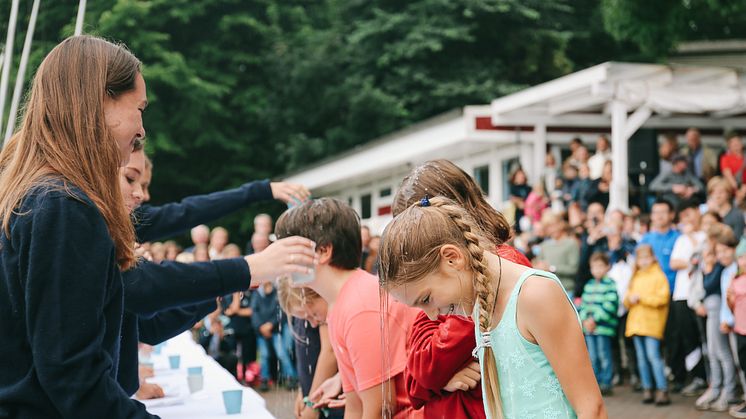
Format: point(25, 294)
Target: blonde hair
point(63, 134)
point(291, 297)
point(720, 182)
point(410, 250)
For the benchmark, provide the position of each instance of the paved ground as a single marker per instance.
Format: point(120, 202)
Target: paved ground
point(623, 404)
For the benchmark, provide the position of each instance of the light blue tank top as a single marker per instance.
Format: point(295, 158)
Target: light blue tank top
point(529, 388)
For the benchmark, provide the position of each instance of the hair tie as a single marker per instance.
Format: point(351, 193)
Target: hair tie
point(424, 202)
point(482, 342)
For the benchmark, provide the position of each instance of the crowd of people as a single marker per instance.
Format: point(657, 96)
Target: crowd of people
point(653, 288)
point(457, 310)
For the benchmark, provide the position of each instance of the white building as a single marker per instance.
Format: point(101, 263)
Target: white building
point(614, 99)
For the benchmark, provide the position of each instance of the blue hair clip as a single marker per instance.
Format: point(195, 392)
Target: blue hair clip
point(424, 202)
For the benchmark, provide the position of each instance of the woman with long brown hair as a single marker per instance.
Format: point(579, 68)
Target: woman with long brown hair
point(66, 234)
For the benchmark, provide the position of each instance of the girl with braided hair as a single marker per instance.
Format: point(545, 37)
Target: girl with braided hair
point(533, 359)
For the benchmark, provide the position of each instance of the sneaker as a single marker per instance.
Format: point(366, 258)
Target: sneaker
point(661, 398)
point(721, 404)
point(705, 400)
point(738, 411)
point(676, 387)
point(647, 396)
point(695, 388)
point(635, 382)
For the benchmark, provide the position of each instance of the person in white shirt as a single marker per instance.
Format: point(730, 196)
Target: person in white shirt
point(683, 341)
point(597, 161)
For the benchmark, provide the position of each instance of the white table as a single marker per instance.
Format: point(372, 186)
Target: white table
point(204, 404)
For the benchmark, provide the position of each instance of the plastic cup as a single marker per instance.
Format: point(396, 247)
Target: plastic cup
point(301, 278)
point(194, 371)
point(174, 361)
point(232, 401)
point(195, 382)
point(158, 348)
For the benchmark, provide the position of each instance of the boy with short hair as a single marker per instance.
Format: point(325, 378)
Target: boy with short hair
point(598, 312)
point(371, 355)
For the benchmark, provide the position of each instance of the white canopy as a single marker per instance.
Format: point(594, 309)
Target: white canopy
point(633, 95)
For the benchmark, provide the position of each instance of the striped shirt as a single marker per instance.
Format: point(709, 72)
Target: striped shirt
point(600, 302)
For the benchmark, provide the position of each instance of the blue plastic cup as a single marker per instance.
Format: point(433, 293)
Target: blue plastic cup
point(232, 401)
point(157, 349)
point(174, 361)
point(194, 371)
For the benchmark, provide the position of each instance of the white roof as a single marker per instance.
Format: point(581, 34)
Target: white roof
point(665, 89)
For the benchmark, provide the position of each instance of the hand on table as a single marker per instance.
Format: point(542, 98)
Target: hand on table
point(145, 372)
point(466, 379)
point(149, 391)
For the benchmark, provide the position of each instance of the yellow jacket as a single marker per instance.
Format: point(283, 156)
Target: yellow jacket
point(648, 316)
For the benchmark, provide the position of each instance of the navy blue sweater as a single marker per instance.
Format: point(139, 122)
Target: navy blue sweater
point(163, 300)
point(61, 306)
point(154, 223)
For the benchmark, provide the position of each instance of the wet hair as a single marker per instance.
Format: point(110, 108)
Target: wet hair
point(443, 178)
point(326, 221)
point(410, 250)
point(291, 297)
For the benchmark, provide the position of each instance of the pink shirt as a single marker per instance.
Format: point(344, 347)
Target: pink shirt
point(355, 332)
point(739, 310)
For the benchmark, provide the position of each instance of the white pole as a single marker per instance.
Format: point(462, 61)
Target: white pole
point(81, 17)
point(540, 151)
point(7, 58)
point(619, 193)
point(21, 75)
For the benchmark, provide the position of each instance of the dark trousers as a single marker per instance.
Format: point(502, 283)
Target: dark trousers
point(741, 348)
point(623, 343)
point(681, 338)
point(247, 343)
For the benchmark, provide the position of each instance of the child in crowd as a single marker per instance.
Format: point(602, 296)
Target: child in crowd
point(598, 312)
point(368, 333)
point(647, 300)
point(536, 203)
point(736, 297)
point(269, 331)
point(535, 361)
point(722, 386)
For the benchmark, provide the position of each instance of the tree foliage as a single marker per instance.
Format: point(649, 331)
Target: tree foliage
point(250, 89)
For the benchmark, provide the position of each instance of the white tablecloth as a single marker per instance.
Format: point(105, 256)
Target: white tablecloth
point(204, 404)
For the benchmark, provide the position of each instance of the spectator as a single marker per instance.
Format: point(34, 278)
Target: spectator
point(172, 249)
point(200, 234)
point(551, 173)
point(262, 226)
point(722, 386)
point(579, 156)
point(678, 184)
point(599, 188)
point(682, 337)
point(519, 191)
point(536, 202)
point(371, 264)
point(702, 160)
point(598, 312)
point(264, 317)
point(239, 312)
point(598, 160)
point(583, 188)
point(667, 150)
point(592, 240)
point(259, 242)
point(218, 240)
point(569, 184)
point(732, 163)
point(736, 298)
point(647, 300)
point(365, 238)
point(201, 253)
point(720, 193)
point(662, 237)
point(559, 253)
point(231, 251)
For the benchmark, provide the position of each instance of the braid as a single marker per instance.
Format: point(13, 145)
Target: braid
point(485, 295)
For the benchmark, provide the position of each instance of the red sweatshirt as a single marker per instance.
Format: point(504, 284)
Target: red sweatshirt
point(438, 350)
